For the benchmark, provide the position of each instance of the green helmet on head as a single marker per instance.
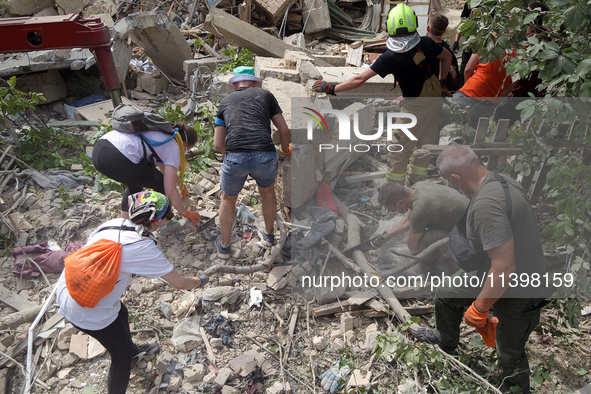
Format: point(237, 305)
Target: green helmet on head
point(148, 202)
point(402, 20)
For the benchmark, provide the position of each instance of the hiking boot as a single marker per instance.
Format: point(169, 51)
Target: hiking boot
point(223, 251)
point(143, 351)
point(426, 334)
point(268, 240)
point(171, 227)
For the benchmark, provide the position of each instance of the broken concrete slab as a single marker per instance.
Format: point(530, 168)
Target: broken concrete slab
point(152, 82)
point(25, 8)
point(49, 83)
point(72, 6)
point(72, 59)
point(297, 40)
point(160, 38)
point(203, 65)
point(333, 60)
point(220, 86)
point(243, 365)
point(46, 12)
point(308, 71)
point(270, 67)
point(316, 16)
point(373, 87)
point(245, 35)
point(98, 7)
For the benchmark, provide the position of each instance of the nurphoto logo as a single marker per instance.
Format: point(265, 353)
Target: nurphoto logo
point(344, 134)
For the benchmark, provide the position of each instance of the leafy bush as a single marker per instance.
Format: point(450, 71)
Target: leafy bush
point(42, 146)
point(238, 57)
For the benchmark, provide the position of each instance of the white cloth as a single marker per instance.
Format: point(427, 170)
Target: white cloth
point(139, 258)
point(130, 145)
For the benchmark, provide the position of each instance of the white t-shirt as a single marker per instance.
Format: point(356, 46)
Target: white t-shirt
point(139, 258)
point(130, 145)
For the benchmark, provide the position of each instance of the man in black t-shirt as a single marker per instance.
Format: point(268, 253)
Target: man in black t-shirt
point(414, 62)
point(243, 134)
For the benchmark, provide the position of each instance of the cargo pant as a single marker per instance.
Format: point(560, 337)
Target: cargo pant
point(517, 319)
point(427, 109)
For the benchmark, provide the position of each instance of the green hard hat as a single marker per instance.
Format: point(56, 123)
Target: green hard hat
point(402, 20)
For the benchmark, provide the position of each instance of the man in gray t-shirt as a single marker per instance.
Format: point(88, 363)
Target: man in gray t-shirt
point(243, 134)
point(508, 233)
point(431, 211)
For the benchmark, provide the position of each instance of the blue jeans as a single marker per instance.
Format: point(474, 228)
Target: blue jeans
point(261, 166)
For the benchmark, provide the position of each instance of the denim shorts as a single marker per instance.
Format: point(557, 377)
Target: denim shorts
point(261, 166)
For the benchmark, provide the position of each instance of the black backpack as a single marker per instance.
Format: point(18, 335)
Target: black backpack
point(131, 120)
point(455, 79)
point(459, 246)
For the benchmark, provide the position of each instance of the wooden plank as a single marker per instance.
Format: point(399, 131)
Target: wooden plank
point(481, 129)
point(210, 353)
point(361, 298)
point(500, 136)
point(14, 300)
point(74, 123)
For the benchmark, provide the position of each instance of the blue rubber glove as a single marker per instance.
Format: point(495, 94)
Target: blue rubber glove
point(332, 380)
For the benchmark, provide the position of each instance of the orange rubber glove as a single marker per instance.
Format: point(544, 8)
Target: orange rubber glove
point(193, 216)
point(185, 192)
point(485, 326)
point(288, 151)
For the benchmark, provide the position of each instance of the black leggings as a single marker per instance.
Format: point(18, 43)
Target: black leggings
point(113, 164)
point(116, 338)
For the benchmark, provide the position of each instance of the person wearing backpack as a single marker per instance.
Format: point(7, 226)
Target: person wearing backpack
point(140, 153)
point(504, 250)
point(414, 62)
point(435, 29)
point(107, 321)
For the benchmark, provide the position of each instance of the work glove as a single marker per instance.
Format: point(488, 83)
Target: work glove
point(204, 278)
point(380, 240)
point(485, 326)
point(288, 151)
point(333, 379)
point(321, 86)
point(456, 46)
point(193, 216)
point(185, 192)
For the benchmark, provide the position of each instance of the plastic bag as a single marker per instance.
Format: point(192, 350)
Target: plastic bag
point(92, 272)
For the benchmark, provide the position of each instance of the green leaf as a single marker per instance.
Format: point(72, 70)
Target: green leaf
point(574, 17)
point(530, 18)
point(582, 371)
point(584, 67)
point(585, 90)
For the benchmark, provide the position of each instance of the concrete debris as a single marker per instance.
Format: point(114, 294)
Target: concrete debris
point(316, 15)
point(160, 38)
point(49, 83)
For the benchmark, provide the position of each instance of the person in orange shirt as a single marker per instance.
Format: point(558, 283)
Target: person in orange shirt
point(486, 85)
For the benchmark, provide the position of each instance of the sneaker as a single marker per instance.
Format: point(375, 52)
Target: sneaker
point(171, 227)
point(223, 251)
point(143, 351)
point(268, 240)
point(426, 334)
